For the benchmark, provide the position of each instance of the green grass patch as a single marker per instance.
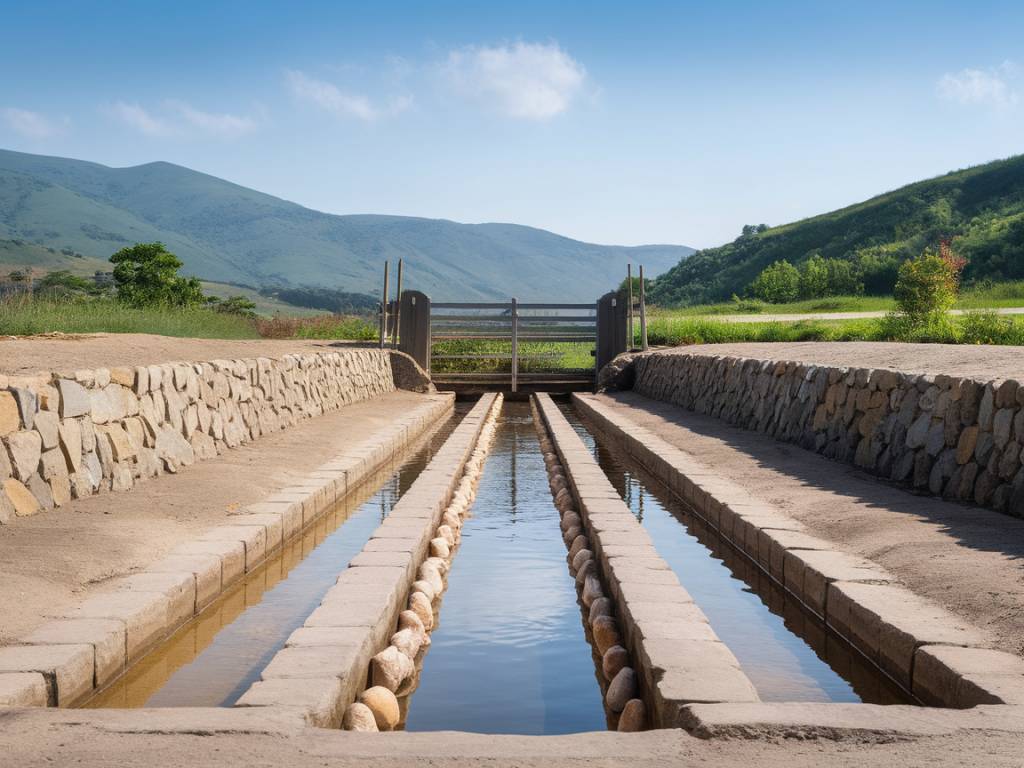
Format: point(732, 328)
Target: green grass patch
point(460, 356)
point(347, 327)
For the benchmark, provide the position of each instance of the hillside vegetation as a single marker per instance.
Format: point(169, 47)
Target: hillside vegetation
point(227, 233)
point(980, 208)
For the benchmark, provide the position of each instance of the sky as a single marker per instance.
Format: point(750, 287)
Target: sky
point(625, 123)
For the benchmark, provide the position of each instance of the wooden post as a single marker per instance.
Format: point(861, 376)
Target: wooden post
point(643, 312)
point(384, 307)
point(629, 284)
point(398, 307)
point(515, 345)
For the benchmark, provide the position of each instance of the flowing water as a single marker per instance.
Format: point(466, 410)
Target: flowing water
point(787, 653)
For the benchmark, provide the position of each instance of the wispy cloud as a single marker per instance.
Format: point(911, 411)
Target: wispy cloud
point(331, 98)
point(530, 81)
point(176, 118)
point(141, 119)
point(221, 124)
point(995, 87)
point(32, 125)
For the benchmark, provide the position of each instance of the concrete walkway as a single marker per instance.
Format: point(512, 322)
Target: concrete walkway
point(967, 559)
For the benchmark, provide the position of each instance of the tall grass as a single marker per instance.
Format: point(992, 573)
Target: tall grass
point(348, 327)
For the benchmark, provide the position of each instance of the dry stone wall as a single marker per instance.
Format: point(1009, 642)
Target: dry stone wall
point(73, 434)
point(954, 437)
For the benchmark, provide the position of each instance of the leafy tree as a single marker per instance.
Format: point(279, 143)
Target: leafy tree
point(62, 281)
point(233, 305)
point(147, 274)
point(843, 278)
point(926, 288)
point(779, 282)
point(814, 278)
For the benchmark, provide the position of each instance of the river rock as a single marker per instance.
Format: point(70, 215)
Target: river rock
point(614, 659)
point(585, 570)
point(424, 586)
point(591, 590)
point(563, 499)
point(383, 705)
point(569, 519)
point(606, 633)
point(581, 557)
point(440, 563)
point(408, 641)
point(24, 448)
point(446, 533)
point(390, 667)
point(439, 547)
point(420, 605)
point(633, 717)
point(600, 607)
point(621, 689)
point(579, 543)
point(571, 534)
point(359, 717)
point(410, 620)
point(431, 574)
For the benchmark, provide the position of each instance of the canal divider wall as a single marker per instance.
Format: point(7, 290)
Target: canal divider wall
point(924, 648)
point(68, 435)
point(680, 659)
point(324, 664)
point(64, 661)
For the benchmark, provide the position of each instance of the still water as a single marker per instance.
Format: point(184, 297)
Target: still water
point(510, 654)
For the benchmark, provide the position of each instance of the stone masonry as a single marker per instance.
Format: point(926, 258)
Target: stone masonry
point(72, 434)
point(958, 438)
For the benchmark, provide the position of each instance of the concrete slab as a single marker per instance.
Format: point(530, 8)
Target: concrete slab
point(22, 689)
point(144, 615)
point(106, 636)
point(68, 669)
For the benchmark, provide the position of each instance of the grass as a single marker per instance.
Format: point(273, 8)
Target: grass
point(535, 356)
point(348, 327)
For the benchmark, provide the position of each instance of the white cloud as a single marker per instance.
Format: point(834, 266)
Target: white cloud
point(981, 87)
point(531, 81)
point(175, 118)
point(223, 124)
point(32, 125)
point(329, 97)
point(142, 120)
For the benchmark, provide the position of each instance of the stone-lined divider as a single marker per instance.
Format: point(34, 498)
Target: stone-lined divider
point(324, 663)
point(67, 659)
point(68, 435)
point(680, 658)
point(924, 648)
point(956, 437)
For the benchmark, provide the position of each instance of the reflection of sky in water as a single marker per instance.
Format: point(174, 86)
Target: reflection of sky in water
point(509, 654)
point(779, 663)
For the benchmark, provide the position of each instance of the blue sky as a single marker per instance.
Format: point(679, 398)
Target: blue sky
point(610, 122)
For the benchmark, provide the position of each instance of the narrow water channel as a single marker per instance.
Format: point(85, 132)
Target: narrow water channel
point(510, 653)
point(786, 652)
point(214, 659)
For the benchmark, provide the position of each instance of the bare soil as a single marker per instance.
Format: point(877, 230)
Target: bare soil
point(57, 558)
point(968, 559)
point(982, 362)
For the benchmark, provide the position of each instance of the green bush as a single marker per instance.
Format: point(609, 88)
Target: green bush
point(926, 288)
point(778, 283)
point(146, 274)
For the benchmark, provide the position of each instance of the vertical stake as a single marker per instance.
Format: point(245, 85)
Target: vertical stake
point(515, 345)
point(384, 307)
point(629, 283)
point(643, 312)
point(398, 307)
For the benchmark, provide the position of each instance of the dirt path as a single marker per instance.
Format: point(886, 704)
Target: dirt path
point(980, 362)
point(59, 557)
point(968, 559)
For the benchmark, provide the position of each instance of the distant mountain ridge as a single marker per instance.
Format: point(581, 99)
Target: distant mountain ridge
point(228, 233)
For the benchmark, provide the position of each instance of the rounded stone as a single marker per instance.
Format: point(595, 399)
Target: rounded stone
point(452, 520)
point(614, 659)
point(579, 543)
point(408, 641)
point(621, 690)
point(446, 533)
point(606, 633)
point(569, 519)
point(585, 570)
point(571, 534)
point(358, 717)
point(390, 667)
point(421, 606)
point(591, 590)
point(383, 704)
point(633, 717)
point(410, 620)
point(423, 586)
point(440, 563)
point(431, 574)
point(600, 607)
point(581, 557)
point(439, 547)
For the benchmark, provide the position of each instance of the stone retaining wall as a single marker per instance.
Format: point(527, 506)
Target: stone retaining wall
point(955, 437)
point(73, 434)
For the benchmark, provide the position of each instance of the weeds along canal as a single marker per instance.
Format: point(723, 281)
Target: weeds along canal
point(213, 659)
point(509, 654)
point(787, 653)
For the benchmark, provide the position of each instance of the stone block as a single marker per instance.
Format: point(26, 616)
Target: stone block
point(252, 537)
point(21, 498)
point(145, 616)
point(68, 669)
point(953, 676)
point(22, 689)
point(231, 554)
point(24, 449)
point(320, 700)
point(46, 424)
point(205, 569)
point(808, 573)
point(106, 636)
point(10, 416)
point(179, 589)
point(273, 524)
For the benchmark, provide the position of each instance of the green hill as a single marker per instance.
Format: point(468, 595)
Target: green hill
point(227, 233)
point(981, 208)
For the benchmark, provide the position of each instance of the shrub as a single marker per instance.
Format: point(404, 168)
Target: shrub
point(926, 288)
point(146, 274)
point(778, 283)
point(985, 326)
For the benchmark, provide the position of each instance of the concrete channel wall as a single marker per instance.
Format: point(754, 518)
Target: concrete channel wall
point(324, 664)
point(73, 434)
point(955, 437)
point(67, 659)
point(921, 646)
point(681, 661)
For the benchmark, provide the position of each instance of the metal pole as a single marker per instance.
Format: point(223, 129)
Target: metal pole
point(629, 282)
point(515, 345)
point(398, 307)
point(643, 313)
point(384, 307)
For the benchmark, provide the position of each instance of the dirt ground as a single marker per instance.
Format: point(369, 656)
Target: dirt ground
point(30, 355)
point(57, 558)
point(968, 559)
point(981, 362)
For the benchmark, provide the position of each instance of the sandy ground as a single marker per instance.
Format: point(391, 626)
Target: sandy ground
point(59, 557)
point(29, 355)
point(965, 558)
point(981, 362)
point(792, 318)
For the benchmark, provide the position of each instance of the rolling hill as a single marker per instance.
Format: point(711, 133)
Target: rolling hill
point(980, 208)
point(227, 233)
